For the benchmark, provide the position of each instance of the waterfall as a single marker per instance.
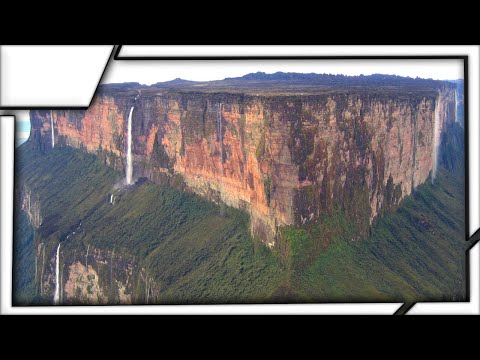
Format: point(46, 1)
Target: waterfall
point(51, 127)
point(456, 107)
point(111, 267)
point(56, 298)
point(219, 126)
point(436, 140)
point(220, 139)
point(146, 289)
point(129, 170)
point(86, 257)
point(43, 269)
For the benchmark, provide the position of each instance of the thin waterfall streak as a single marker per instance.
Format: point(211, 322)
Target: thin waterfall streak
point(220, 135)
point(56, 298)
point(146, 289)
point(86, 258)
point(129, 170)
point(456, 107)
point(436, 139)
point(52, 130)
point(220, 138)
point(111, 267)
point(36, 270)
point(61, 285)
point(43, 269)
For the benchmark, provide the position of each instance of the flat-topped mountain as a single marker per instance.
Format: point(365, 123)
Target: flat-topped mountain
point(291, 84)
point(286, 147)
point(155, 192)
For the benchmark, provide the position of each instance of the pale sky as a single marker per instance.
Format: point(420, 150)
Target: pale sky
point(153, 71)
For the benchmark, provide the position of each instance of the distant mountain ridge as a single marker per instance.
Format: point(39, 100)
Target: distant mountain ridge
point(331, 79)
point(301, 78)
point(176, 81)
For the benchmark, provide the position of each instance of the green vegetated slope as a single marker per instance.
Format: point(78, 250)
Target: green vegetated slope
point(199, 254)
point(195, 254)
point(24, 261)
point(417, 253)
point(192, 252)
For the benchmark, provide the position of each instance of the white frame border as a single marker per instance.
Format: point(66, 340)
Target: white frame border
point(7, 137)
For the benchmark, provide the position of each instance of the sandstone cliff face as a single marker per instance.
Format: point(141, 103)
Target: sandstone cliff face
point(92, 276)
point(285, 159)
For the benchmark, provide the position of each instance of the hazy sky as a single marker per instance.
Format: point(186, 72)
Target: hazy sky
point(152, 71)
